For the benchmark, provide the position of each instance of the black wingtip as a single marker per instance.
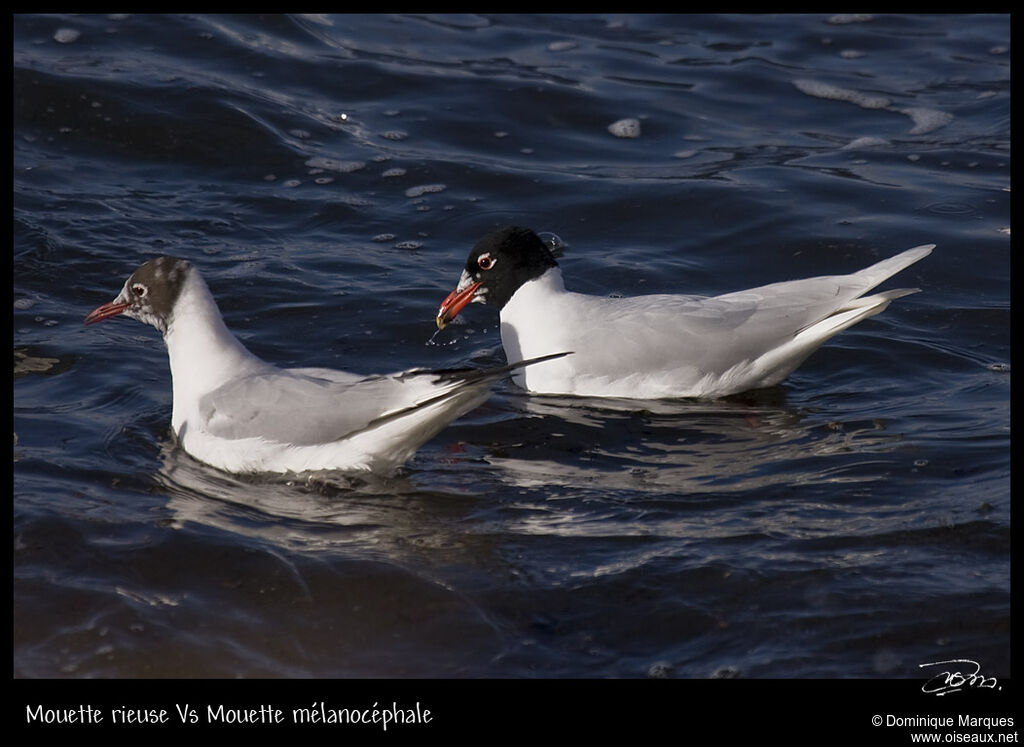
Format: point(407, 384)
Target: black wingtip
point(538, 359)
point(475, 374)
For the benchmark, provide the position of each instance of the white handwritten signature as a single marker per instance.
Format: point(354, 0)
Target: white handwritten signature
point(954, 680)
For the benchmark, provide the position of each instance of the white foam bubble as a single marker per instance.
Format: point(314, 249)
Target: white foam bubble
point(629, 127)
point(424, 189)
point(66, 36)
point(865, 142)
point(828, 91)
point(331, 164)
point(926, 120)
point(840, 19)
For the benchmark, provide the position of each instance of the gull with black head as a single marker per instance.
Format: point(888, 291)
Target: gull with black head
point(658, 346)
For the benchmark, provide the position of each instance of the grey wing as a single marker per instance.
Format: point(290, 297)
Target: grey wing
point(779, 311)
point(715, 333)
point(302, 409)
point(712, 333)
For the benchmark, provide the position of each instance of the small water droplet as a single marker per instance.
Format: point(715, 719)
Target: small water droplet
point(553, 242)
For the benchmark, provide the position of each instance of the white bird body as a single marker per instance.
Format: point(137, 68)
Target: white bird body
point(666, 345)
point(239, 413)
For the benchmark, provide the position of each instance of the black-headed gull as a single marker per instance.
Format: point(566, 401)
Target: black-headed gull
point(659, 345)
point(236, 412)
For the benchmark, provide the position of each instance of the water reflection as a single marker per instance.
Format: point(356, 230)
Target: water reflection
point(684, 447)
point(575, 466)
point(310, 512)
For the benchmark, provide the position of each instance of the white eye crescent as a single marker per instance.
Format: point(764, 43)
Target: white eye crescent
point(139, 290)
point(485, 261)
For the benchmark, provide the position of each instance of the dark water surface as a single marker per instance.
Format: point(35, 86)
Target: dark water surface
point(328, 175)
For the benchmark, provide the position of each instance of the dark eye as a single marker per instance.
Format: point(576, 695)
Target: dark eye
point(139, 290)
point(485, 262)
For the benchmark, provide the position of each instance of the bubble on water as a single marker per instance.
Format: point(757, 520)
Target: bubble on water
point(865, 142)
point(394, 135)
point(424, 189)
point(628, 127)
point(383, 237)
point(331, 164)
point(840, 19)
point(659, 670)
point(66, 36)
point(828, 91)
point(852, 54)
point(926, 120)
point(561, 46)
point(726, 673)
point(394, 172)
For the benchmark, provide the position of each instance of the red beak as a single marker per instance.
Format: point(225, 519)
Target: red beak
point(105, 311)
point(452, 305)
